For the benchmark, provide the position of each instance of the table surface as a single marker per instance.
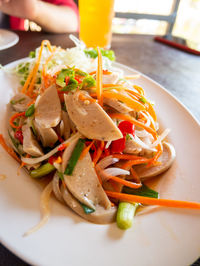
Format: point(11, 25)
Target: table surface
point(176, 70)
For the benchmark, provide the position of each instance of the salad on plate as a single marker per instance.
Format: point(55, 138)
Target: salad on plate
point(81, 123)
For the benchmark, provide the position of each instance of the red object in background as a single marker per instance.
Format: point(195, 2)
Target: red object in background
point(176, 42)
point(18, 23)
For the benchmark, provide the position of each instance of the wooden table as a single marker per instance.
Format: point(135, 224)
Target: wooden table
point(176, 70)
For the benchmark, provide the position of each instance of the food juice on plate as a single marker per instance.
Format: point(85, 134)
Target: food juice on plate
point(95, 22)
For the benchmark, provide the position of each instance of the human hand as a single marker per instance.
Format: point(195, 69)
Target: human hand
point(26, 9)
point(4, 1)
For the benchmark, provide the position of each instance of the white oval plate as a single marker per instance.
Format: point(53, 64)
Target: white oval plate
point(7, 39)
point(163, 237)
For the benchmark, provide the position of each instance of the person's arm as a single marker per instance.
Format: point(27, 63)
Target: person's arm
point(52, 18)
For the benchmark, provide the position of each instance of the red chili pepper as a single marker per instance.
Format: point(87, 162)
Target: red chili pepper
point(52, 159)
point(126, 127)
point(62, 147)
point(67, 80)
point(18, 135)
point(118, 145)
point(79, 79)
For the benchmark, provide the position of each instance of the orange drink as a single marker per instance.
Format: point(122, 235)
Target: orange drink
point(96, 22)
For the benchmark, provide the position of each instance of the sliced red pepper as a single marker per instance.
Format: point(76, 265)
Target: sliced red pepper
point(126, 127)
point(118, 145)
point(62, 147)
point(79, 79)
point(19, 135)
point(52, 159)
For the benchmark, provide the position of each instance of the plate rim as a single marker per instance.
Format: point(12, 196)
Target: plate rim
point(12, 43)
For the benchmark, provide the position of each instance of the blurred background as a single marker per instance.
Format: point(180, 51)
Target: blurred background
point(177, 17)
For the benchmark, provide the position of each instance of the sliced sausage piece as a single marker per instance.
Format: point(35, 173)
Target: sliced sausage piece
point(20, 102)
point(47, 136)
point(48, 108)
point(30, 144)
point(90, 119)
point(166, 160)
point(100, 216)
point(66, 123)
point(84, 184)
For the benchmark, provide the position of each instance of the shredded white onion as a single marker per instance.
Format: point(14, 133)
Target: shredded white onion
point(114, 171)
point(77, 42)
point(141, 144)
point(148, 123)
point(56, 187)
point(49, 154)
point(106, 161)
point(108, 144)
point(141, 133)
point(161, 137)
point(106, 174)
point(44, 205)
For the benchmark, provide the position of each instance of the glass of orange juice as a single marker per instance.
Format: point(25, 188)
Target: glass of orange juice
point(96, 22)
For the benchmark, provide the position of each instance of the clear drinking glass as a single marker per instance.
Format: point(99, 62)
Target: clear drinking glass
point(96, 22)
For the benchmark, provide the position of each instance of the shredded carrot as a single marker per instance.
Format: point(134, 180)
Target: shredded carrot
point(29, 84)
point(58, 160)
point(138, 95)
point(35, 70)
point(133, 103)
point(127, 165)
point(99, 152)
point(112, 85)
point(135, 175)
point(86, 150)
point(136, 76)
point(126, 156)
point(139, 89)
point(22, 164)
point(105, 72)
point(92, 73)
point(153, 160)
point(63, 183)
point(154, 201)
point(151, 111)
point(30, 103)
point(13, 117)
point(8, 149)
point(134, 121)
point(132, 96)
point(85, 98)
point(99, 78)
point(125, 182)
